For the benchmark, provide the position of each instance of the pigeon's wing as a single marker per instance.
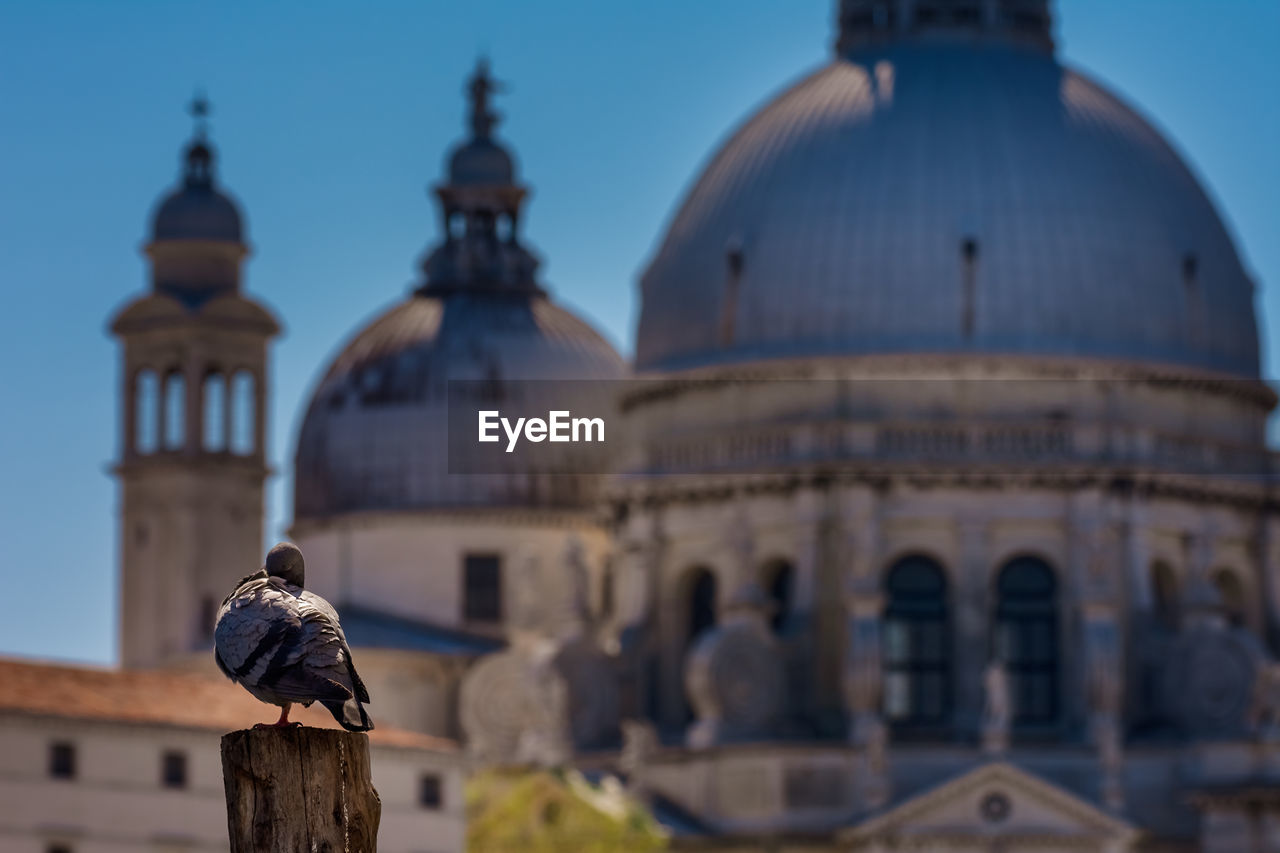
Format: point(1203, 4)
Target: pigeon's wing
point(324, 659)
point(326, 610)
point(250, 625)
point(311, 662)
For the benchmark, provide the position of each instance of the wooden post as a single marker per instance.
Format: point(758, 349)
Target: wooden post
point(299, 789)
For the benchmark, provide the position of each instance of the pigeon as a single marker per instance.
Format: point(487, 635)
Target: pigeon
point(284, 645)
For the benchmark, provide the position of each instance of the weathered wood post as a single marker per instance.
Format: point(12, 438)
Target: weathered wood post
point(299, 789)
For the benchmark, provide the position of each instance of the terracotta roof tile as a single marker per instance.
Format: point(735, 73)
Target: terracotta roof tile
point(152, 697)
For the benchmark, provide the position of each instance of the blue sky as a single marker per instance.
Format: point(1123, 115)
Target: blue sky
point(332, 119)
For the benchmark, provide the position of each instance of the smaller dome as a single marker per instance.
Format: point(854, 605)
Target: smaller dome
point(197, 210)
point(197, 213)
point(375, 435)
point(481, 162)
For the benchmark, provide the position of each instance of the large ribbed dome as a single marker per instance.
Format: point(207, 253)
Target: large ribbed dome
point(947, 195)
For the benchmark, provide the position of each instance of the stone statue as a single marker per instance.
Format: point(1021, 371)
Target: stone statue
point(514, 706)
point(997, 710)
point(577, 592)
point(639, 740)
point(480, 88)
point(735, 677)
point(545, 740)
point(528, 608)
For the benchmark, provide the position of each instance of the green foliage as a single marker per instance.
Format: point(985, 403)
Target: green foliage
point(555, 811)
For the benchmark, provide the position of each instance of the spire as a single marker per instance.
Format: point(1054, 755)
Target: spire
point(479, 88)
point(480, 206)
point(200, 108)
point(864, 23)
point(198, 170)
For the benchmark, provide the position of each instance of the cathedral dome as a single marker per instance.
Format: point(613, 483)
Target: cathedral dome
point(197, 209)
point(946, 193)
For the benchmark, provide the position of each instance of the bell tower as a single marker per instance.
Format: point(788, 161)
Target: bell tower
point(193, 395)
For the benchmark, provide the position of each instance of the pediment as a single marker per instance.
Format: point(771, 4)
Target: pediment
point(997, 800)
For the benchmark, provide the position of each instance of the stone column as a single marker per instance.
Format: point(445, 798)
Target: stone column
point(851, 567)
point(636, 588)
point(227, 423)
point(1104, 691)
point(129, 427)
point(1096, 556)
point(1137, 556)
point(259, 413)
point(193, 405)
point(863, 688)
point(809, 516)
point(740, 545)
point(971, 607)
point(1135, 561)
point(862, 666)
point(799, 643)
point(160, 413)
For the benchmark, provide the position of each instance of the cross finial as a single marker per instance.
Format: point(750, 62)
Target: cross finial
point(199, 156)
point(480, 88)
point(199, 109)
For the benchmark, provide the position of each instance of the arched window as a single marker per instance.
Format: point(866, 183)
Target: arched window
point(700, 605)
point(917, 645)
point(778, 580)
point(146, 401)
point(1231, 592)
point(1164, 595)
point(215, 412)
point(175, 408)
point(1026, 638)
point(244, 413)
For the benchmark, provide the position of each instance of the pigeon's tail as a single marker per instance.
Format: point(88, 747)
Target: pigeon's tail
point(350, 714)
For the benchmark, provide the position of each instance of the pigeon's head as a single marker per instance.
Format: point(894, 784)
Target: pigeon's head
point(285, 561)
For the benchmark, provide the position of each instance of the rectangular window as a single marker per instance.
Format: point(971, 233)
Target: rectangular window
point(173, 769)
point(62, 760)
point(482, 588)
point(430, 794)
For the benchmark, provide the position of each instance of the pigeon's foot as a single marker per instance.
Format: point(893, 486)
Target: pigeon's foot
point(283, 722)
